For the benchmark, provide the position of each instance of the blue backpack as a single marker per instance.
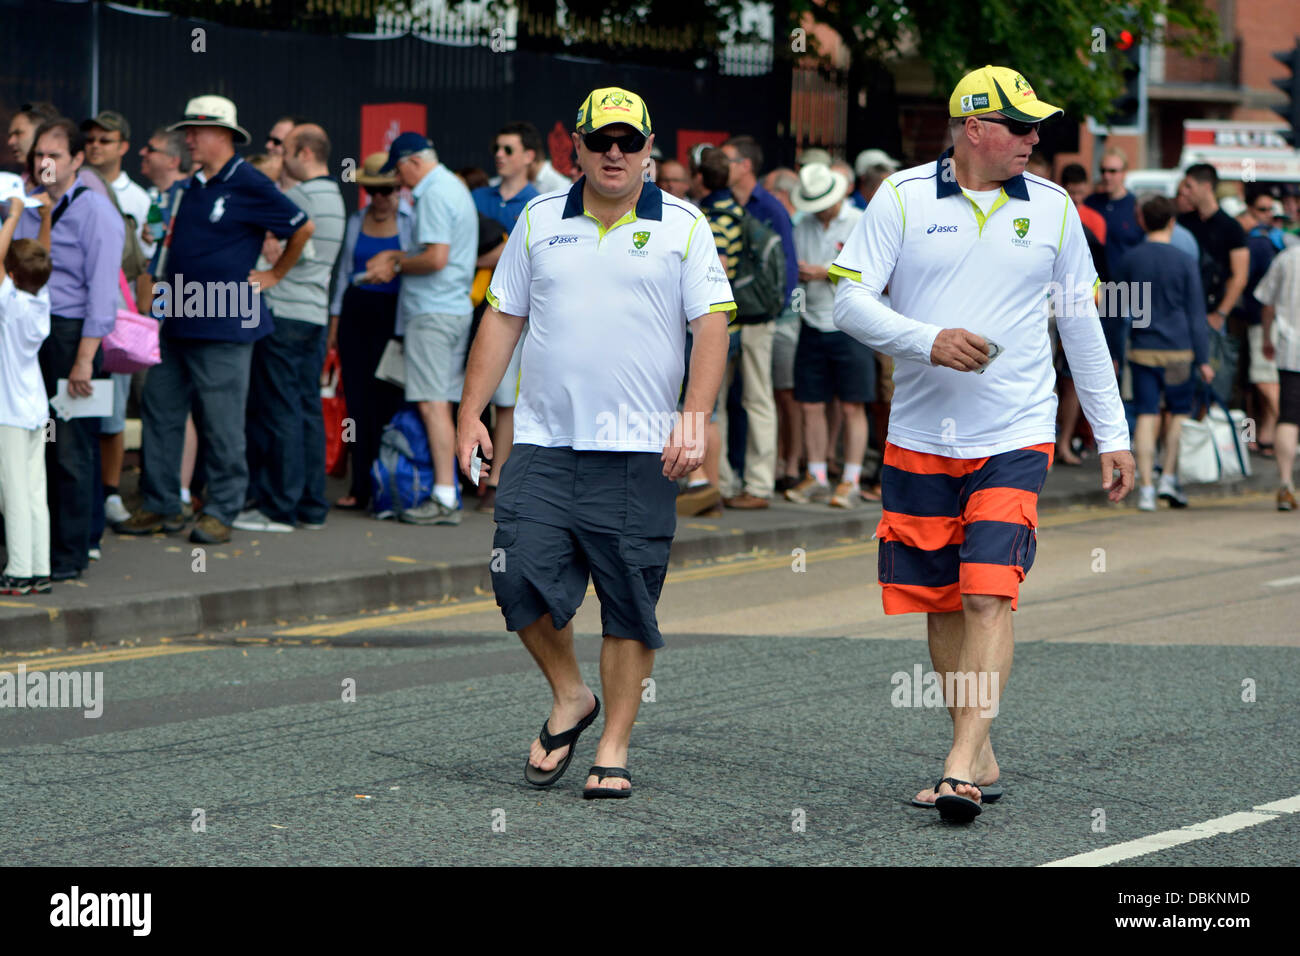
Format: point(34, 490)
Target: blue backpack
point(402, 476)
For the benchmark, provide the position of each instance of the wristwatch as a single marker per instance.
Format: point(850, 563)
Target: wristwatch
point(397, 266)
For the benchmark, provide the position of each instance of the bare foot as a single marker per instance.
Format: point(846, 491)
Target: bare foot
point(608, 755)
point(565, 715)
point(986, 774)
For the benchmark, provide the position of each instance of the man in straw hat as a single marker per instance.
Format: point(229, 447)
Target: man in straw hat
point(828, 363)
point(975, 239)
point(608, 275)
point(210, 299)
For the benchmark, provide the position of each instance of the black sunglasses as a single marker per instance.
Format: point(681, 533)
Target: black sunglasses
point(508, 150)
point(275, 140)
point(602, 142)
point(150, 148)
point(1015, 127)
point(380, 190)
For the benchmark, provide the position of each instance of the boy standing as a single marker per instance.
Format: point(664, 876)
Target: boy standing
point(24, 324)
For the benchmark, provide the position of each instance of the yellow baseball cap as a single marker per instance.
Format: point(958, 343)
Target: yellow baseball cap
point(610, 105)
point(998, 89)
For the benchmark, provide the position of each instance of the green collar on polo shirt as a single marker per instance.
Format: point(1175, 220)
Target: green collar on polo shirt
point(649, 205)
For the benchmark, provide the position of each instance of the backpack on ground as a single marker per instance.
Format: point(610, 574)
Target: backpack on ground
point(759, 285)
point(402, 476)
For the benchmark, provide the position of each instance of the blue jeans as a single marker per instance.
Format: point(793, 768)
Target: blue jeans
point(286, 429)
point(214, 377)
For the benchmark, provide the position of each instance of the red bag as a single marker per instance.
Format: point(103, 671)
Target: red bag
point(335, 409)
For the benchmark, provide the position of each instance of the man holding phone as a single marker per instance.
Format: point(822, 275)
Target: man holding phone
point(975, 236)
point(607, 275)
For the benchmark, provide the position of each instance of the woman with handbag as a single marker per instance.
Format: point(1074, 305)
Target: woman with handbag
point(363, 315)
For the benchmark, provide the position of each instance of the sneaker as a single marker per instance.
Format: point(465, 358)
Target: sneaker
point(808, 491)
point(1285, 499)
point(432, 511)
point(42, 585)
point(694, 501)
point(10, 585)
point(1170, 491)
point(94, 554)
point(845, 492)
point(1147, 498)
point(310, 525)
point(254, 520)
point(147, 522)
point(210, 530)
point(114, 511)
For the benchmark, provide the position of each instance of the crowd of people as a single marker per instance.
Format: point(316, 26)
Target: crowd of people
point(232, 435)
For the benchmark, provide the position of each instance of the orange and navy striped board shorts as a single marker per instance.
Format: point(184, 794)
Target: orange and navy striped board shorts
point(954, 526)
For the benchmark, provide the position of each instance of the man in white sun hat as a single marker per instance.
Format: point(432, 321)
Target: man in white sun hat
point(828, 363)
point(207, 342)
point(869, 170)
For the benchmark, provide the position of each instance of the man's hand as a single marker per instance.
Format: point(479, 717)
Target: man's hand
point(1216, 320)
point(332, 340)
point(1207, 370)
point(263, 280)
point(959, 349)
point(1123, 462)
point(272, 249)
point(471, 432)
point(147, 235)
point(79, 380)
point(685, 449)
point(812, 273)
point(382, 266)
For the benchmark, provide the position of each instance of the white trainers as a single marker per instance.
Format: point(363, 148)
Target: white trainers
point(1170, 491)
point(1147, 498)
point(114, 511)
point(253, 520)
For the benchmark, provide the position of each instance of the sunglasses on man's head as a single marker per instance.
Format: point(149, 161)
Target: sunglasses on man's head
point(1015, 127)
point(603, 142)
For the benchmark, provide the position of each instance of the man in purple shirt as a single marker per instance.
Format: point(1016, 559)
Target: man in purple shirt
point(86, 251)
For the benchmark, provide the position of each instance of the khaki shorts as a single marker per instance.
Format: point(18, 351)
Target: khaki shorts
point(435, 345)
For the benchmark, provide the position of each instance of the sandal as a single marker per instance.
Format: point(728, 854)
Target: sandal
point(955, 808)
point(608, 793)
point(990, 794)
point(544, 778)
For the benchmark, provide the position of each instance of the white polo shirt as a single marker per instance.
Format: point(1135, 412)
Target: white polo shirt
point(607, 312)
point(819, 245)
point(24, 324)
point(948, 265)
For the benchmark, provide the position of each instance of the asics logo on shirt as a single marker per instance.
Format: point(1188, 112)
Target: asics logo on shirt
point(935, 227)
point(561, 240)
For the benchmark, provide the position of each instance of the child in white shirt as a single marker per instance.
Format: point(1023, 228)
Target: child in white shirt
point(24, 406)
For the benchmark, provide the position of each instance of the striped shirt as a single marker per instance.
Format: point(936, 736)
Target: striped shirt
point(303, 293)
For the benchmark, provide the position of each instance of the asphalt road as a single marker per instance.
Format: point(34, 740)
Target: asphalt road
point(772, 708)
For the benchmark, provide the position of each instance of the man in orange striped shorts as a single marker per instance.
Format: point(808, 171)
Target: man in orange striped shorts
point(972, 427)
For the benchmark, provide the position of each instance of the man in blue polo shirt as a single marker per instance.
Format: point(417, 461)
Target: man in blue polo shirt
point(211, 309)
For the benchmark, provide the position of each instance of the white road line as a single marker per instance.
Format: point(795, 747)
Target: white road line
point(1282, 582)
point(1195, 831)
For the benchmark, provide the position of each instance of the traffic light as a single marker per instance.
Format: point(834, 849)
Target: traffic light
point(1290, 111)
point(1127, 110)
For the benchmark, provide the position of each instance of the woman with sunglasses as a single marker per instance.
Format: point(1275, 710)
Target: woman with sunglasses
point(362, 318)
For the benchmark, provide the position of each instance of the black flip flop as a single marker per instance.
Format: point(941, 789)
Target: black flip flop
point(954, 808)
point(608, 793)
point(544, 778)
point(988, 794)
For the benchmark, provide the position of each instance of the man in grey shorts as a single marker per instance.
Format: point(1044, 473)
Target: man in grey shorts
point(433, 307)
point(607, 276)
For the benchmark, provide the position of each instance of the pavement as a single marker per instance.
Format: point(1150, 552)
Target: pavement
point(164, 586)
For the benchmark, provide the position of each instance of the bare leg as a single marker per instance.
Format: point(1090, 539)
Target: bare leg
point(442, 440)
point(790, 435)
point(1284, 447)
point(986, 652)
point(814, 430)
point(112, 448)
point(571, 698)
point(624, 664)
point(1144, 447)
point(855, 432)
point(1069, 416)
point(191, 452)
point(503, 437)
point(1269, 396)
point(946, 633)
point(1172, 433)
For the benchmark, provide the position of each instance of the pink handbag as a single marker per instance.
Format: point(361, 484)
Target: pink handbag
point(133, 343)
